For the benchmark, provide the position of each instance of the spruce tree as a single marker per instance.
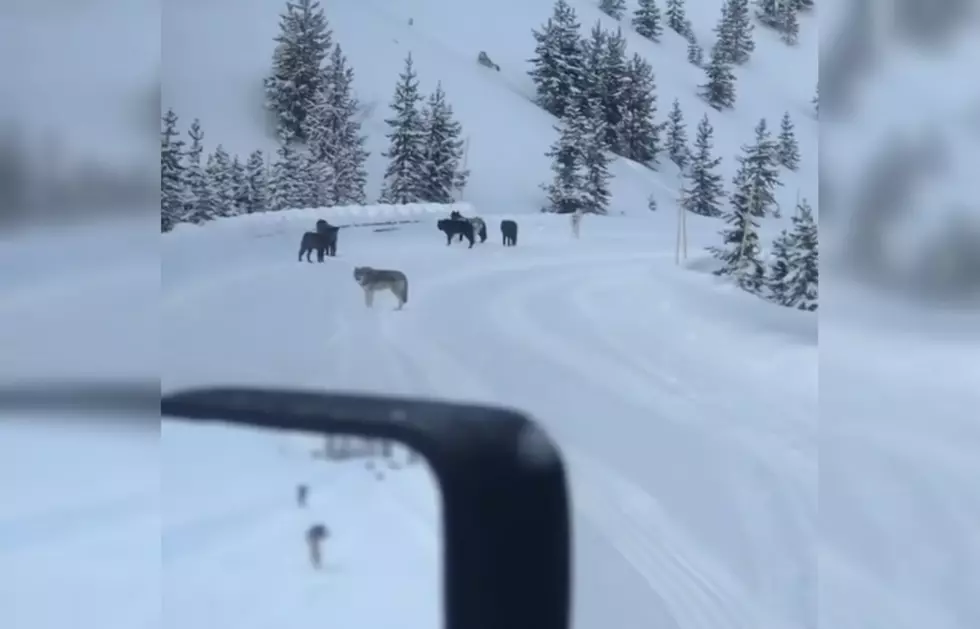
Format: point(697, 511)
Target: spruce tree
point(704, 191)
point(442, 171)
point(595, 162)
point(566, 190)
point(616, 79)
point(594, 50)
point(297, 65)
point(734, 31)
point(788, 150)
point(802, 281)
point(780, 264)
point(285, 181)
point(761, 173)
point(695, 54)
point(334, 136)
point(173, 190)
point(406, 150)
point(557, 65)
point(719, 91)
point(647, 20)
point(789, 30)
point(638, 134)
point(613, 8)
point(255, 176)
point(218, 171)
point(676, 16)
point(202, 206)
point(739, 252)
point(239, 186)
point(677, 148)
point(781, 16)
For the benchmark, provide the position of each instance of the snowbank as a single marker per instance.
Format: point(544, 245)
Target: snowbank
point(271, 223)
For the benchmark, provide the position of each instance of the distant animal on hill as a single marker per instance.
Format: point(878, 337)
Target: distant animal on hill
point(315, 536)
point(484, 60)
point(372, 280)
point(508, 230)
point(576, 222)
point(456, 227)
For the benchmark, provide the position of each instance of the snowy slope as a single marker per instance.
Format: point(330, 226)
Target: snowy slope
point(219, 51)
point(694, 479)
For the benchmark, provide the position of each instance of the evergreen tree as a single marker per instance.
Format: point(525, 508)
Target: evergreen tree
point(239, 186)
point(739, 252)
point(442, 172)
point(802, 281)
point(615, 83)
point(703, 192)
point(202, 203)
point(285, 182)
point(760, 173)
point(647, 20)
point(334, 137)
point(789, 26)
point(780, 264)
point(595, 162)
point(613, 8)
point(594, 51)
point(312, 182)
point(557, 65)
point(788, 150)
point(297, 65)
point(677, 147)
point(719, 91)
point(566, 191)
point(173, 191)
point(638, 134)
point(695, 54)
point(677, 17)
point(781, 16)
point(218, 170)
point(734, 32)
point(255, 177)
point(406, 150)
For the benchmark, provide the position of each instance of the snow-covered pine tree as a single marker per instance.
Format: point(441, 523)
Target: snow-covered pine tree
point(647, 20)
point(239, 186)
point(780, 263)
point(334, 136)
point(789, 30)
point(202, 205)
point(638, 133)
point(595, 161)
point(297, 64)
point(719, 91)
point(285, 181)
point(594, 50)
point(218, 170)
point(406, 149)
point(761, 173)
point(615, 76)
point(557, 63)
point(695, 53)
point(802, 281)
point(788, 149)
point(566, 190)
point(739, 252)
point(613, 8)
point(442, 170)
point(173, 186)
point(677, 147)
point(704, 192)
point(734, 31)
point(676, 16)
point(802, 5)
point(781, 16)
point(255, 177)
point(312, 181)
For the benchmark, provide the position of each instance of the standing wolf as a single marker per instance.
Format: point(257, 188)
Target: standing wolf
point(453, 226)
point(373, 280)
point(508, 229)
point(329, 233)
point(315, 535)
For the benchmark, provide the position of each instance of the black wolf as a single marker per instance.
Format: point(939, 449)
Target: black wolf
point(311, 242)
point(452, 227)
point(315, 535)
point(330, 234)
point(509, 231)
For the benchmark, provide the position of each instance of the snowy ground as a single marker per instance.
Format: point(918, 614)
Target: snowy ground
point(687, 410)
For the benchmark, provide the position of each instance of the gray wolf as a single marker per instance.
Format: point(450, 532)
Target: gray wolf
point(302, 491)
point(484, 60)
point(479, 227)
point(373, 280)
point(315, 535)
point(509, 231)
point(452, 227)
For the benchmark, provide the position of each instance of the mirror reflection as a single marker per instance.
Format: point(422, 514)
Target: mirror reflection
point(274, 529)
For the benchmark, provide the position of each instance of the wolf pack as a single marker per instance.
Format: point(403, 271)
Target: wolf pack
point(457, 228)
